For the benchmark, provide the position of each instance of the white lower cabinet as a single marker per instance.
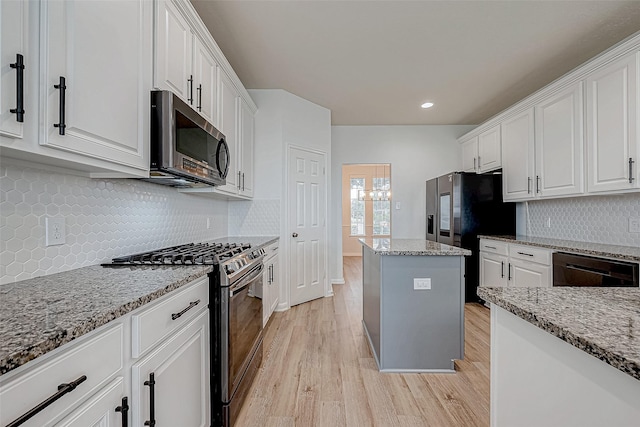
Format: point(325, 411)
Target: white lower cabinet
point(171, 385)
point(270, 282)
point(100, 410)
point(514, 265)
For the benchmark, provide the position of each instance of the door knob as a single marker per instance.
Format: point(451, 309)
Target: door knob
point(294, 235)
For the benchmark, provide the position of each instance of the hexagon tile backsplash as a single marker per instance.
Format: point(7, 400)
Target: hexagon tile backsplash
point(104, 218)
point(598, 219)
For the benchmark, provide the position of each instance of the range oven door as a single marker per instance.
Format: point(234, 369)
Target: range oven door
point(244, 331)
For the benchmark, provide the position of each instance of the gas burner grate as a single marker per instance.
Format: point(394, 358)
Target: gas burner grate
point(189, 254)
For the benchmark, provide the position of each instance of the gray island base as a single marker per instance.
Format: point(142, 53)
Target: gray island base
point(413, 325)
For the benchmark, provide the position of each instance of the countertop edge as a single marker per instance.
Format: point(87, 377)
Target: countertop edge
point(448, 251)
point(614, 360)
point(17, 359)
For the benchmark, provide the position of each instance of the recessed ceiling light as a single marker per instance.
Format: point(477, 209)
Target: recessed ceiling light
point(427, 105)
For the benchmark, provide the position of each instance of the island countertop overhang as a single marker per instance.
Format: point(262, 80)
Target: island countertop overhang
point(412, 247)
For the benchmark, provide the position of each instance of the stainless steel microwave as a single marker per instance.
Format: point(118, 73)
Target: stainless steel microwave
point(186, 150)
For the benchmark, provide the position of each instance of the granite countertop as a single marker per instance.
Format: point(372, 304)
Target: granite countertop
point(628, 253)
point(604, 322)
point(412, 247)
point(41, 314)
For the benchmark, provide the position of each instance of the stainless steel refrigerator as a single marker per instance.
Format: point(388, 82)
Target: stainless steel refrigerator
point(460, 206)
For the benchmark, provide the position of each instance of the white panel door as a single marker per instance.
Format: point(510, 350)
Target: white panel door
point(518, 157)
point(229, 127)
point(13, 41)
point(99, 411)
point(612, 126)
point(489, 156)
point(307, 211)
point(559, 143)
point(106, 74)
point(205, 82)
point(470, 155)
point(493, 269)
point(173, 46)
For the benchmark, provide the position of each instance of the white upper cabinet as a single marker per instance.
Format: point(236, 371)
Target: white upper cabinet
point(489, 156)
point(246, 147)
point(173, 44)
point(518, 155)
point(229, 105)
point(612, 126)
point(205, 82)
point(470, 155)
point(13, 22)
point(94, 86)
point(559, 143)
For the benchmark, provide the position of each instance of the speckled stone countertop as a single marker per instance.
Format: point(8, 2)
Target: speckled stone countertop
point(604, 322)
point(412, 247)
point(628, 253)
point(39, 315)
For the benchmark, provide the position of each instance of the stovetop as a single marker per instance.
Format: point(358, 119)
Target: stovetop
point(188, 254)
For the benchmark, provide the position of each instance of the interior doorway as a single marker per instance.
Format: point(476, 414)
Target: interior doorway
point(366, 204)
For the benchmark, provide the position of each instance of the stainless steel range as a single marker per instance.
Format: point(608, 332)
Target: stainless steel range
point(235, 304)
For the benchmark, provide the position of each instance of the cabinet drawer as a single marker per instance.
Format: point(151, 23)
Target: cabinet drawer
point(531, 254)
point(153, 324)
point(99, 358)
point(494, 246)
point(270, 251)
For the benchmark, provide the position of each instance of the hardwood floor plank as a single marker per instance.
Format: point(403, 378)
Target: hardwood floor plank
point(318, 370)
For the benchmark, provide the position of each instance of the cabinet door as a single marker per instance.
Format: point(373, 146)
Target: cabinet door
point(229, 127)
point(529, 275)
point(493, 269)
point(612, 132)
point(107, 89)
point(274, 286)
point(13, 24)
point(518, 157)
point(246, 148)
point(99, 411)
point(173, 47)
point(470, 155)
point(266, 289)
point(206, 82)
point(181, 374)
point(559, 143)
point(489, 156)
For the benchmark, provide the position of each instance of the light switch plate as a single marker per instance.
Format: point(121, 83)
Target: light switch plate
point(634, 225)
point(421, 284)
point(55, 231)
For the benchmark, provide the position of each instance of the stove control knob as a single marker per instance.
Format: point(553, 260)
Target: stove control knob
point(231, 268)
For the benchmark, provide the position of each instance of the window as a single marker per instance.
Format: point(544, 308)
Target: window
point(381, 206)
point(357, 207)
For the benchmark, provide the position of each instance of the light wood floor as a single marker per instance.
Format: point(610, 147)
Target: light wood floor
point(318, 371)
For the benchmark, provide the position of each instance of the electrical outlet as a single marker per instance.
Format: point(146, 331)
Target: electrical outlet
point(55, 231)
point(397, 206)
point(634, 225)
point(421, 284)
point(548, 222)
point(208, 223)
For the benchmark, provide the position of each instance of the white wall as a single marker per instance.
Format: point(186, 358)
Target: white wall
point(416, 154)
point(284, 120)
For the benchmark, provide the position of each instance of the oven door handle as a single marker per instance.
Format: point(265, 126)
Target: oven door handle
point(255, 273)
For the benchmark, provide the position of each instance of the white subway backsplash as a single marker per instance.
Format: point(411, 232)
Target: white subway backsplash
point(598, 219)
point(104, 218)
point(254, 218)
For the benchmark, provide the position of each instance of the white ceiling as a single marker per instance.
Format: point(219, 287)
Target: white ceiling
point(375, 62)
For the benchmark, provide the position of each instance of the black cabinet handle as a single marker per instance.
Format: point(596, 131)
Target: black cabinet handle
point(63, 389)
point(509, 271)
point(190, 81)
point(502, 270)
point(631, 177)
point(529, 185)
point(474, 164)
point(192, 304)
point(491, 247)
point(242, 181)
point(239, 180)
point(63, 88)
point(199, 97)
point(152, 400)
point(19, 66)
point(537, 183)
point(124, 410)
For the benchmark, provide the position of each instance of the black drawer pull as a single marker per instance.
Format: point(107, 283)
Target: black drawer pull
point(63, 389)
point(192, 304)
point(491, 247)
point(524, 253)
point(152, 400)
point(19, 66)
point(124, 410)
point(63, 88)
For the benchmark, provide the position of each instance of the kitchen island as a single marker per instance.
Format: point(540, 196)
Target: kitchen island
point(413, 304)
point(565, 356)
